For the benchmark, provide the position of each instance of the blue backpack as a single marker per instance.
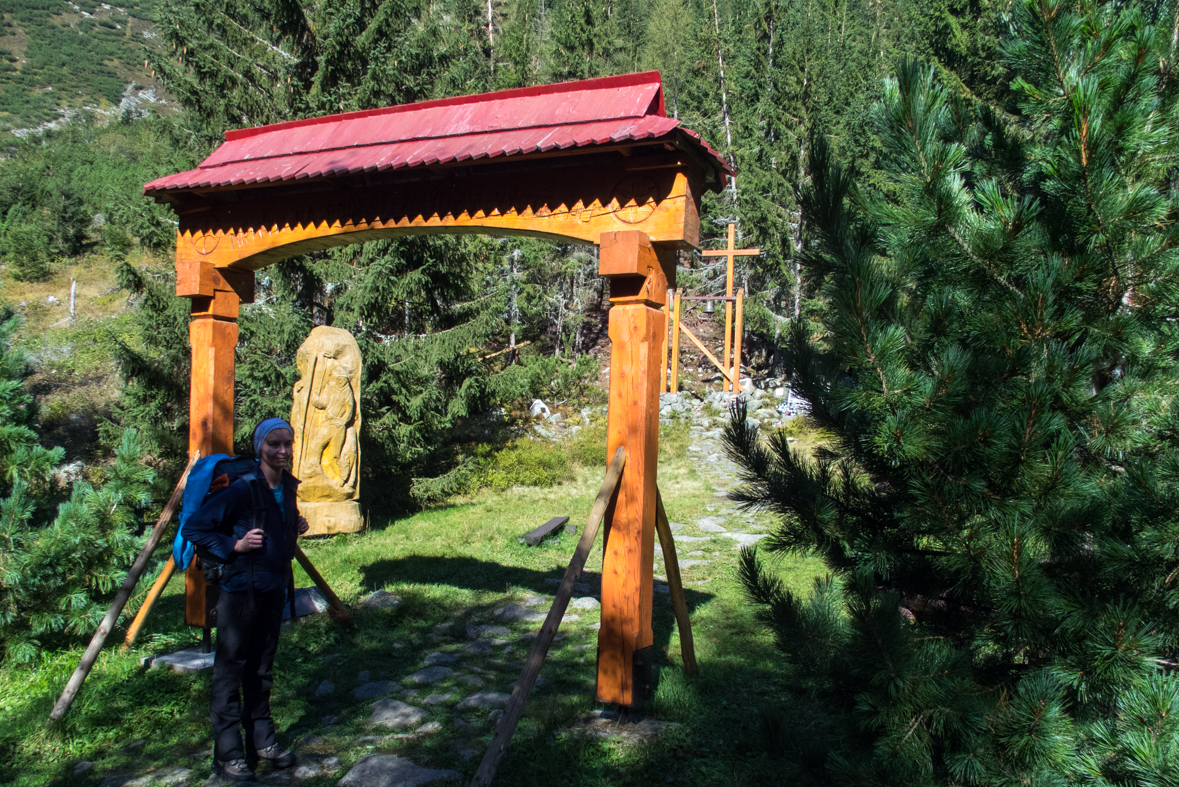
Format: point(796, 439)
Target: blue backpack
point(207, 474)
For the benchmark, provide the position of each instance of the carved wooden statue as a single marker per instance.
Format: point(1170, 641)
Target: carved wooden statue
point(326, 416)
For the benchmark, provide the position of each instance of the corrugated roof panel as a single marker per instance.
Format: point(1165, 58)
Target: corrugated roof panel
point(494, 125)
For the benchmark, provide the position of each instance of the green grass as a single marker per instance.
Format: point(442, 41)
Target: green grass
point(450, 565)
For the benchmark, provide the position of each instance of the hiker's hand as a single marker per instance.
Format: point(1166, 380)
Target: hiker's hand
point(250, 541)
point(304, 525)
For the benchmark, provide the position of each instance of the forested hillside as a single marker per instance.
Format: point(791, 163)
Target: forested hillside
point(60, 55)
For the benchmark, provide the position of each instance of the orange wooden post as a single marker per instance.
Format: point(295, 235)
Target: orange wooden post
point(739, 330)
point(727, 357)
point(216, 295)
point(675, 340)
point(638, 331)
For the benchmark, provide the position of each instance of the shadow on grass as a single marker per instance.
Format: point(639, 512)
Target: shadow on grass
point(473, 574)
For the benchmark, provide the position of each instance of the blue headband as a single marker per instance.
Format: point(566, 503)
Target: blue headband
point(265, 428)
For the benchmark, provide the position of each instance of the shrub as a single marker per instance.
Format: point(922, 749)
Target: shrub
point(57, 570)
point(523, 462)
point(26, 249)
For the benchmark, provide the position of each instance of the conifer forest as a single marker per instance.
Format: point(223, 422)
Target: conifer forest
point(968, 219)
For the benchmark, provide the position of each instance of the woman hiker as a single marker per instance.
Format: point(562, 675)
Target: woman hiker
point(249, 613)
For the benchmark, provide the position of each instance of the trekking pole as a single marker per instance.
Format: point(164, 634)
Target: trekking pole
point(88, 658)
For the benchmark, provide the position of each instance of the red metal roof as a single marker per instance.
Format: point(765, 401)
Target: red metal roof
point(592, 112)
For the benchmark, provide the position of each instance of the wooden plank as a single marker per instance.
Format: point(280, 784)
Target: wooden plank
point(534, 537)
point(700, 346)
point(675, 341)
point(738, 333)
point(679, 601)
point(336, 608)
point(727, 252)
point(157, 588)
point(88, 658)
point(548, 631)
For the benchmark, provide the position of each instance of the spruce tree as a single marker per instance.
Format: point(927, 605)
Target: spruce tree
point(996, 372)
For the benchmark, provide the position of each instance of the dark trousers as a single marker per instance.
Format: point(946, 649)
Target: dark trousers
point(246, 641)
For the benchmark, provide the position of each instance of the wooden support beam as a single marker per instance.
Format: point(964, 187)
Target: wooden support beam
point(668, 305)
point(213, 335)
point(679, 602)
point(638, 330)
point(104, 629)
point(675, 341)
point(157, 589)
point(700, 346)
point(738, 333)
point(210, 428)
point(729, 308)
point(534, 537)
point(548, 630)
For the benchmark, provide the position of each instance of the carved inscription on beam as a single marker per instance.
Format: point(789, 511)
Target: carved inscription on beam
point(253, 228)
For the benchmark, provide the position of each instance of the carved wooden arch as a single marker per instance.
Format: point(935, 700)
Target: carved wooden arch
point(638, 199)
point(224, 236)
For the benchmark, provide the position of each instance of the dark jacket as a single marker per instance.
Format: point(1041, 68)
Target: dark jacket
point(228, 516)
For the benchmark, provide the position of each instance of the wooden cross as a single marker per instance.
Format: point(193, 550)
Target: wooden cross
point(731, 252)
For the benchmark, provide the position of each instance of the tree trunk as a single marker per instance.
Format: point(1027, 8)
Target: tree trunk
point(720, 59)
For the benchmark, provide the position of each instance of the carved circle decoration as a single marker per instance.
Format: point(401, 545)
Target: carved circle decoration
point(205, 243)
point(634, 200)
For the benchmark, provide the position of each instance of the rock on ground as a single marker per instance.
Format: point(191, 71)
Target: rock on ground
point(325, 689)
point(313, 767)
point(378, 688)
point(478, 648)
point(587, 602)
point(435, 658)
point(389, 770)
point(483, 699)
point(515, 612)
point(396, 714)
point(380, 599)
point(429, 675)
point(711, 524)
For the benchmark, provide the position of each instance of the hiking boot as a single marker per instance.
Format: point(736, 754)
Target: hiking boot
point(277, 756)
point(234, 771)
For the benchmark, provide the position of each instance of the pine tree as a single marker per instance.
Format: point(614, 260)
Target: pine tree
point(997, 501)
point(60, 559)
